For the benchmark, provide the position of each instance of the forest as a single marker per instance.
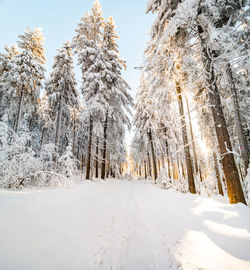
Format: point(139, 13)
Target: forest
point(183, 141)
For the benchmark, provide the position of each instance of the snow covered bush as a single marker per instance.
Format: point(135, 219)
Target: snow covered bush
point(18, 162)
point(67, 163)
point(21, 167)
point(169, 183)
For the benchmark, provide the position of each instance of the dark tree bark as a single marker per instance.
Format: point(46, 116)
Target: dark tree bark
point(58, 123)
point(153, 154)
point(104, 148)
point(42, 138)
point(89, 148)
point(96, 162)
point(149, 165)
point(145, 169)
point(191, 184)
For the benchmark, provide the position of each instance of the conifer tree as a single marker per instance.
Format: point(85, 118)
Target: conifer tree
point(61, 90)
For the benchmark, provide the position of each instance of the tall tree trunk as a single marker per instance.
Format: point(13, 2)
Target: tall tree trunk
point(58, 124)
point(145, 169)
point(19, 110)
point(74, 136)
point(234, 187)
point(153, 154)
point(191, 183)
point(217, 173)
point(96, 162)
point(104, 147)
point(163, 162)
point(168, 159)
point(107, 165)
point(42, 138)
point(149, 165)
point(238, 121)
point(192, 138)
point(89, 148)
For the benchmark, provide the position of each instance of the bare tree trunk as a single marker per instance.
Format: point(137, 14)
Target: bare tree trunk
point(192, 138)
point(238, 121)
point(145, 169)
point(191, 183)
point(153, 154)
point(234, 187)
point(96, 162)
point(104, 148)
point(18, 112)
point(89, 148)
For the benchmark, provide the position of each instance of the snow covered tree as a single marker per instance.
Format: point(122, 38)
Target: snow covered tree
point(21, 80)
point(87, 45)
point(103, 88)
point(190, 32)
point(61, 90)
point(67, 163)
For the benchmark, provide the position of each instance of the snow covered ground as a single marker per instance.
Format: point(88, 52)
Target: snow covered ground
point(121, 225)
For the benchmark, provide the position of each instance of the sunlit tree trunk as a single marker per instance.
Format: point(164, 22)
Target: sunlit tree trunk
point(192, 138)
point(153, 154)
point(191, 183)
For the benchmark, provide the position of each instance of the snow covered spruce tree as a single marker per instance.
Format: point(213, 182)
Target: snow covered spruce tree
point(21, 81)
point(61, 93)
point(87, 44)
point(201, 28)
point(103, 88)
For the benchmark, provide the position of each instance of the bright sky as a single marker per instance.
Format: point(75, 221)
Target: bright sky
point(59, 18)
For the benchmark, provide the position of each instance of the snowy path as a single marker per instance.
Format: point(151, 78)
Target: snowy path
point(120, 225)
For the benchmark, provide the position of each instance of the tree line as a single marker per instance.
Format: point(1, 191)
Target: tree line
point(50, 128)
point(192, 105)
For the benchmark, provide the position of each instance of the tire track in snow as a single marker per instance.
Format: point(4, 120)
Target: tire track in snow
point(129, 242)
point(110, 245)
point(163, 248)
